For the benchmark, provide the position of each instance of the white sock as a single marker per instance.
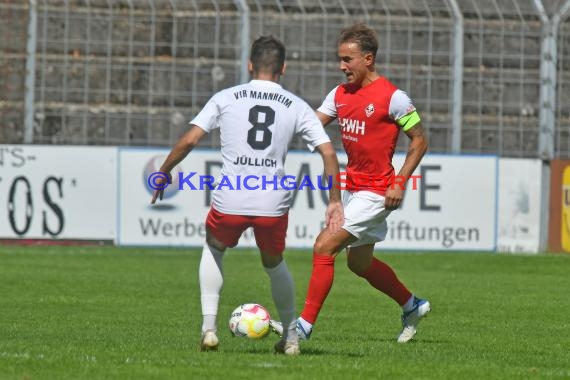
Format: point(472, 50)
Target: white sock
point(208, 322)
point(283, 292)
point(211, 281)
point(307, 326)
point(409, 305)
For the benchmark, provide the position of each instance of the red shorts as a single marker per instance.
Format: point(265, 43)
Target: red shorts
point(269, 231)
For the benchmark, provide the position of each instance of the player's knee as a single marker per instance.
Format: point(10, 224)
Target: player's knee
point(322, 247)
point(213, 242)
point(271, 260)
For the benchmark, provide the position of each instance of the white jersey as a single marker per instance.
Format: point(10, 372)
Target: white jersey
point(257, 122)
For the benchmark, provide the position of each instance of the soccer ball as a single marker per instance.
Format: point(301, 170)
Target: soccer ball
point(250, 320)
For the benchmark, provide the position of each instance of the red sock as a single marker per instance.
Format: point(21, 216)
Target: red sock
point(319, 286)
point(383, 278)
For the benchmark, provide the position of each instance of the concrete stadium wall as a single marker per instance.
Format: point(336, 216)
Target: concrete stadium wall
point(110, 73)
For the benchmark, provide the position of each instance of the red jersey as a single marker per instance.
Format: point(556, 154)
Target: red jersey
point(370, 119)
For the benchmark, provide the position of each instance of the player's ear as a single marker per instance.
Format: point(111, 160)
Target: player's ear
point(369, 59)
point(250, 67)
point(283, 69)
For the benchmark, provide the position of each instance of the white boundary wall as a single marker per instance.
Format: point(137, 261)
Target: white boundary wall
point(58, 192)
point(100, 193)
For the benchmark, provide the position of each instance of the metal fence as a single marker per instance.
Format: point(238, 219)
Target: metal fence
point(488, 76)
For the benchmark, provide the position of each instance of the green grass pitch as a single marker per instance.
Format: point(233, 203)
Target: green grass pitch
point(117, 313)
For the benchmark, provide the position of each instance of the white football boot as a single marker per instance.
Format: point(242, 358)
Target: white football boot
point(411, 319)
point(209, 341)
point(287, 348)
point(277, 328)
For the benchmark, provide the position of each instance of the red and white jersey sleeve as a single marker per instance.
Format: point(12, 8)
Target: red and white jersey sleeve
point(257, 122)
point(328, 107)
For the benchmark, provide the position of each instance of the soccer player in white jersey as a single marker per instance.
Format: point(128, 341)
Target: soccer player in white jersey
point(371, 112)
point(257, 121)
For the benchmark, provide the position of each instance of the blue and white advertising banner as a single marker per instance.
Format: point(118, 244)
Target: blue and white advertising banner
point(450, 206)
point(58, 192)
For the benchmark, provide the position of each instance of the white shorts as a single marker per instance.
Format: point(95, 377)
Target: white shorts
point(365, 217)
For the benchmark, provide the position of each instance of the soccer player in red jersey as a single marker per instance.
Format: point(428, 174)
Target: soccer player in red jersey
point(371, 111)
point(257, 122)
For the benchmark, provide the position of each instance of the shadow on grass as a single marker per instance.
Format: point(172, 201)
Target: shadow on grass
point(305, 351)
point(413, 341)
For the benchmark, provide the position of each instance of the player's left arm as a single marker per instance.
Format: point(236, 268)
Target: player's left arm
point(416, 150)
point(404, 114)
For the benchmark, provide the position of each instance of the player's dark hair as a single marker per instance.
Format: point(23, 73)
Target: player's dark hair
point(361, 35)
point(267, 55)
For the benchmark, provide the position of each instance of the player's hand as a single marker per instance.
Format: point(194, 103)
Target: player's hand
point(393, 198)
point(159, 184)
point(334, 216)
point(157, 194)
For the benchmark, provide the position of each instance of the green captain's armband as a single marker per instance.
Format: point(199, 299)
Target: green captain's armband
point(408, 121)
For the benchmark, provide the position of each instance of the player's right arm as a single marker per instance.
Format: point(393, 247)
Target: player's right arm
point(202, 124)
point(183, 146)
point(325, 119)
point(317, 137)
point(327, 111)
point(334, 214)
